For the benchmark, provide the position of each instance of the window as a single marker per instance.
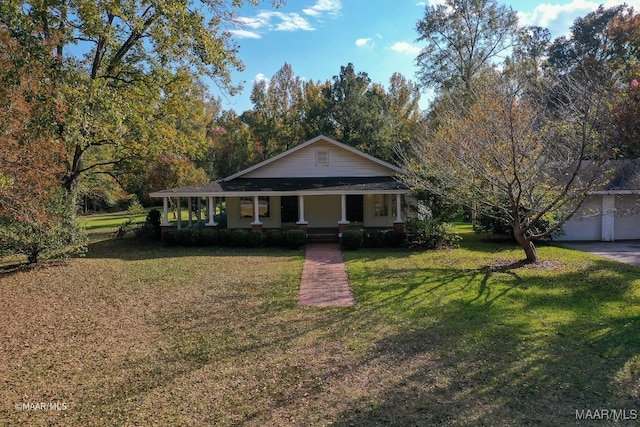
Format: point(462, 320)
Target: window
point(322, 158)
point(246, 207)
point(381, 205)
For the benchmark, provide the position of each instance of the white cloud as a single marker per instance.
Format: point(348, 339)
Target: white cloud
point(332, 7)
point(271, 21)
point(365, 42)
point(245, 34)
point(292, 22)
point(405, 47)
point(558, 18)
point(260, 77)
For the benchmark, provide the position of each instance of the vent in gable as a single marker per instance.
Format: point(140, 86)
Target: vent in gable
point(322, 158)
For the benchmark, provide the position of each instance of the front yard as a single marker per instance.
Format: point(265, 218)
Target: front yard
point(147, 335)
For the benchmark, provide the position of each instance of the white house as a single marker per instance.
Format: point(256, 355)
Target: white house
point(612, 212)
point(319, 184)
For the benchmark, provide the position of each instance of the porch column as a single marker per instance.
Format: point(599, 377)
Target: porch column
point(179, 207)
point(190, 208)
point(199, 211)
point(211, 207)
point(256, 225)
point(343, 224)
point(399, 208)
point(302, 223)
point(165, 207)
point(608, 218)
point(398, 224)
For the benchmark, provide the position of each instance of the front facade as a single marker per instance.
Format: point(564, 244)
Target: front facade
point(320, 184)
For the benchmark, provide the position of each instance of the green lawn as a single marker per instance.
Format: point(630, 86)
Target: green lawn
point(111, 220)
point(145, 335)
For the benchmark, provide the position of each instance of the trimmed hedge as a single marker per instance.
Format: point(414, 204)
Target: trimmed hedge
point(431, 234)
point(236, 238)
point(356, 238)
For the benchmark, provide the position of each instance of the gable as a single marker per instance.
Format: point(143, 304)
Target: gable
point(318, 158)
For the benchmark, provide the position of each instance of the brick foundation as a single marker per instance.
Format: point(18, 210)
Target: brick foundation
point(342, 228)
point(256, 227)
point(398, 227)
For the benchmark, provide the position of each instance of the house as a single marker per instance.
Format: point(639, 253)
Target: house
point(320, 184)
point(613, 211)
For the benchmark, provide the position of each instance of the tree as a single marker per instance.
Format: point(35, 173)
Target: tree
point(34, 220)
point(135, 59)
point(462, 37)
point(233, 146)
point(527, 157)
point(604, 47)
point(276, 119)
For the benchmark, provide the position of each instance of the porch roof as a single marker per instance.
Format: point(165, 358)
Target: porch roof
point(289, 186)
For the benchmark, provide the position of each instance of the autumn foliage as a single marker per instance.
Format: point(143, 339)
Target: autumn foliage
point(31, 158)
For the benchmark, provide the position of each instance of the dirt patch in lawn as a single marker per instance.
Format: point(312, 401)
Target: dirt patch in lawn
point(502, 265)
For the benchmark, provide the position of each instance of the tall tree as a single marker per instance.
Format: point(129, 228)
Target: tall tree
point(529, 157)
point(461, 37)
point(277, 117)
point(34, 218)
point(131, 53)
point(603, 48)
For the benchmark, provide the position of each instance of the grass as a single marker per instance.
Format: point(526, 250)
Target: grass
point(146, 335)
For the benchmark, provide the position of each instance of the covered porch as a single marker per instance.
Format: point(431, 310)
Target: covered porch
point(302, 203)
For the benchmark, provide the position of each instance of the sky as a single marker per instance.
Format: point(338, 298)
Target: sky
point(317, 37)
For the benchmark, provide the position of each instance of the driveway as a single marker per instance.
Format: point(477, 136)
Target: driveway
point(625, 251)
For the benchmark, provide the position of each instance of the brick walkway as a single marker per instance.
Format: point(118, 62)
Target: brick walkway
point(324, 279)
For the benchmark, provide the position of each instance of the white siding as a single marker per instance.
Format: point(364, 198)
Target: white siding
point(627, 217)
point(586, 224)
point(302, 163)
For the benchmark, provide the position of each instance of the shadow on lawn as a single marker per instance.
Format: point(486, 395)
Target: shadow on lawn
point(134, 250)
point(534, 358)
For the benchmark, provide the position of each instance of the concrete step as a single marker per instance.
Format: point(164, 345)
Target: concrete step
point(323, 238)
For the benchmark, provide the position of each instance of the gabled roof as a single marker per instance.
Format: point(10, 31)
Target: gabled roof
point(308, 143)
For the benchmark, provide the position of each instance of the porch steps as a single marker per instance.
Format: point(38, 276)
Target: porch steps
point(323, 238)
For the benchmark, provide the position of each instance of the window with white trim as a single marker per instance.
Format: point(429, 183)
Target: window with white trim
point(381, 205)
point(246, 207)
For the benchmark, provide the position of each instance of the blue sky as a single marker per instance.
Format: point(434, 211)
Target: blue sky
point(316, 37)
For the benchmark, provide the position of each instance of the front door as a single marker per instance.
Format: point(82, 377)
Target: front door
point(289, 208)
point(355, 208)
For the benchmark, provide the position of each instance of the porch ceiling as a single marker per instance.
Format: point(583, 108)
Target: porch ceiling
point(292, 186)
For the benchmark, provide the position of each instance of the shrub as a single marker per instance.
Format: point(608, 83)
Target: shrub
point(171, 238)
point(274, 237)
point(294, 239)
point(124, 229)
point(375, 239)
point(224, 236)
point(394, 238)
point(153, 219)
point(238, 238)
point(135, 207)
point(59, 236)
point(352, 239)
point(208, 237)
point(431, 234)
point(255, 239)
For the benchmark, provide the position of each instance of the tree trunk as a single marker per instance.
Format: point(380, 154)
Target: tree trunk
point(528, 247)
